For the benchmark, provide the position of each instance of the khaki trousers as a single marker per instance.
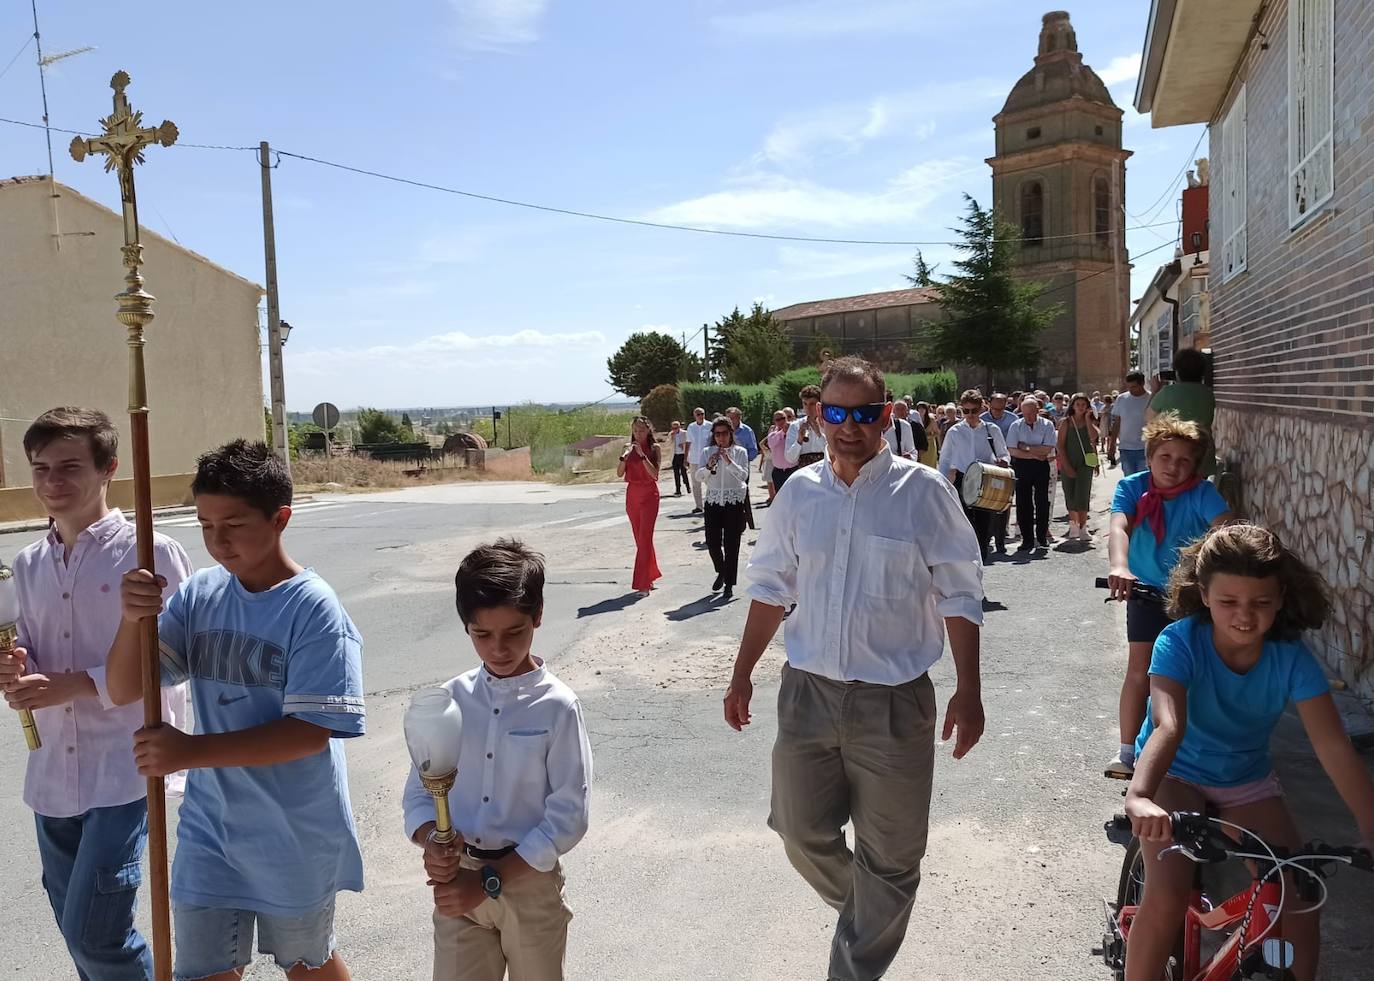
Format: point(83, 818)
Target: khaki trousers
point(524, 931)
point(863, 753)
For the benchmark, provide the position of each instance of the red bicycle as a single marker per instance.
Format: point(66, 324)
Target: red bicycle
point(1234, 935)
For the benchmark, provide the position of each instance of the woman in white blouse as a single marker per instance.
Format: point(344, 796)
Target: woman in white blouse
point(724, 477)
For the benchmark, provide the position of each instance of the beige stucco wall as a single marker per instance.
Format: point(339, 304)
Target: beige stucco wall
point(61, 345)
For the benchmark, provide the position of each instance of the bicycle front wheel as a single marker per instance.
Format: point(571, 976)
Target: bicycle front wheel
point(1131, 889)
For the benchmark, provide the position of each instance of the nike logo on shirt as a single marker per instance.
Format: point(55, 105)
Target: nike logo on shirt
point(230, 701)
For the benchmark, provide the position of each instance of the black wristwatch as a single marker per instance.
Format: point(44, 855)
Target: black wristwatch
point(491, 881)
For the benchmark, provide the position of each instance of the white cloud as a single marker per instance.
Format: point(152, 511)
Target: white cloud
point(845, 128)
point(774, 201)
point(496, 25)
point(1122, 69)
point(828, 18)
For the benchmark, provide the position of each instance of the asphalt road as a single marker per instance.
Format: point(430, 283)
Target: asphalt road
point(679, 878)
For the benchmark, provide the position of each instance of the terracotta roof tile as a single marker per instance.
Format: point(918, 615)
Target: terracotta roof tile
point(853, 304)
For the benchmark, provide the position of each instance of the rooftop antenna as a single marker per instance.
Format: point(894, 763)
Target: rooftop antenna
point(43, 64)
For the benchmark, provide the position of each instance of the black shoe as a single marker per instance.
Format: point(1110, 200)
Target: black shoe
point(729, 593)
point(1027, 547)
point(720, 581)
point(696, 510)
point(1042, 544)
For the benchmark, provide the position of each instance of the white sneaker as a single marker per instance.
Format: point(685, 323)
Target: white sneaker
point(1084, 535)
point(1073, 532)
point(1119, 769)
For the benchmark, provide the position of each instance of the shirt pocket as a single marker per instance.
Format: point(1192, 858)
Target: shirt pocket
point(888, 566)
point(527, 751)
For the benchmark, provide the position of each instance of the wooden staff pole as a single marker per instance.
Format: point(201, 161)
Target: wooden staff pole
point(122, 143)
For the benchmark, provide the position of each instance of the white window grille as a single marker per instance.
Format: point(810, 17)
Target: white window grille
point(1311, 78)
point(1232, 179)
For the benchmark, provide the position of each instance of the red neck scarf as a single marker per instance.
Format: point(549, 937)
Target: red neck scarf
point(1150, 508)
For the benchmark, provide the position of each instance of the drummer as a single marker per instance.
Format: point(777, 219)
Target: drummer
point(968, 442)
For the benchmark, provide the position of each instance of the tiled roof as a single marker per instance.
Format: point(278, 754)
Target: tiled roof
point(853, 304)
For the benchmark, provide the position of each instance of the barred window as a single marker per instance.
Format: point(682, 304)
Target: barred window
point(1311, 75)
point(1102, 210)
point(1032, 214)
point(1231, 179)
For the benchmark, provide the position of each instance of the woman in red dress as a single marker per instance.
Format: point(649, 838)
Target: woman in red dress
point(639, 466)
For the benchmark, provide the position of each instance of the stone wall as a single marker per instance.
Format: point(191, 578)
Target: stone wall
point(1309, 481)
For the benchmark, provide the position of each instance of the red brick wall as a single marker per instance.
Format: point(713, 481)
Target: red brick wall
point(1296, 330)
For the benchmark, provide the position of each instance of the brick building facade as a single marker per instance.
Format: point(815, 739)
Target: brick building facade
point(1290, 102)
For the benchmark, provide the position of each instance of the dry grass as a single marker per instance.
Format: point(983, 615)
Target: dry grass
point(313, 473)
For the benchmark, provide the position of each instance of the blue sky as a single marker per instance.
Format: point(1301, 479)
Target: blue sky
point(829, 118)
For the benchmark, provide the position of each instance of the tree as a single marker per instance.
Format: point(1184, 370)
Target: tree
point(661, 406)
point(375, 426)
point(643, 362)
point(992, 318)
point(751, 349)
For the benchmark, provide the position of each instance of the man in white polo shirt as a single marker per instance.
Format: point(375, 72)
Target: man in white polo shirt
point(851, 543)
point(968, 442)
point(698, 440)
point(1031, 442)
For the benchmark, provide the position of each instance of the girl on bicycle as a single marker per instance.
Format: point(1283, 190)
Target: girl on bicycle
point(1154, 514)
point(1220, 678)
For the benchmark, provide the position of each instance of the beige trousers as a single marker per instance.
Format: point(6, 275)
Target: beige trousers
point(863, 753)
point(524, 931)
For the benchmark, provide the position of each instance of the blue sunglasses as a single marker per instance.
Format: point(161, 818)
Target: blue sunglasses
point(864, 415)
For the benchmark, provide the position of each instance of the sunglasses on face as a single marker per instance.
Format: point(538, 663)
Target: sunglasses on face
point(971, 411)
point(864, 415)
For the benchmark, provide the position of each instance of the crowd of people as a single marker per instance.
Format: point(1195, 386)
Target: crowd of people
point(871, 558)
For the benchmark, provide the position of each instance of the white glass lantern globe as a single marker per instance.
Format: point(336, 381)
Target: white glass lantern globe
point(433, 727)
point(9, 596)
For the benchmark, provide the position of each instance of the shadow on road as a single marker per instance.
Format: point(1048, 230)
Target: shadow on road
point(707, 604)
point(609, 606)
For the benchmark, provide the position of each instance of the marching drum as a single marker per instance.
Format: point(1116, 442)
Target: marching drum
point(989, 487)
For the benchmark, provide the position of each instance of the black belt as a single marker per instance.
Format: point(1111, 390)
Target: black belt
point(487, 854)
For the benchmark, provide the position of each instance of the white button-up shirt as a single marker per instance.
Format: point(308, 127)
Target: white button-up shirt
point(795, 447)
point(1042, 433)
point(900, 438)
point(872, 567)
point(964, 445)
point(730, 483)
point(69, 613)
point(699, 435)
point(524, 767)
point(679, 438)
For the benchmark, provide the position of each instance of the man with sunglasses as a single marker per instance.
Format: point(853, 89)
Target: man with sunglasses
point(850, 543)
point(806, 438)
point(967, 442)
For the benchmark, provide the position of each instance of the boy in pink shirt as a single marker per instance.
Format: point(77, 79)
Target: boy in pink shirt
point(89, 802)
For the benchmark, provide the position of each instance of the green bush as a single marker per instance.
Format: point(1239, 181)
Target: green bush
point(662, 406)
point(933, 386)
point(790, 383)
point(755, 402)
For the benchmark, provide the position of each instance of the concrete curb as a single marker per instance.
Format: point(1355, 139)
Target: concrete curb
point(41, 524)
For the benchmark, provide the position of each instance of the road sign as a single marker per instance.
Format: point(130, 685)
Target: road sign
point(326, 416)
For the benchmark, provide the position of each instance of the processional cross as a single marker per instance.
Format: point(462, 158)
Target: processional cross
point(122, 142)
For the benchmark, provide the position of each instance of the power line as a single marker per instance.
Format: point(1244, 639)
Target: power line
point(1170, 188)
point(24, 48)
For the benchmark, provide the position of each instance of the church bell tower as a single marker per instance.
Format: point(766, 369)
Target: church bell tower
point(1059, 176)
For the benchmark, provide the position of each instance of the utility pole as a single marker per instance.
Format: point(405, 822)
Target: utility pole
point(1118, 247)
point(706, 348)
point(280, 442)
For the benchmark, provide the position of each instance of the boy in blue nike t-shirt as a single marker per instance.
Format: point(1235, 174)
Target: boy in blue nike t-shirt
point(266, 836)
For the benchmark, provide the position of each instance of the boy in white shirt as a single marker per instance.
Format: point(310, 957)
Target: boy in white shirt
point(523, 794)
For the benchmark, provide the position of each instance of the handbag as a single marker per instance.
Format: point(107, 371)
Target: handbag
point(1090, 460)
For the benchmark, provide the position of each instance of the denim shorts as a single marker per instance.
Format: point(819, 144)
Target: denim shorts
point(1145, 620)
point(210, 941)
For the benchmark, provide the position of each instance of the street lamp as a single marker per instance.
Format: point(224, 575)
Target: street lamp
point(285, 329)
point(9, 640)
point(433, 727)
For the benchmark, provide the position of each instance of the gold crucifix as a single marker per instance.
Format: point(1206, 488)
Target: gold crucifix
point(123, 141)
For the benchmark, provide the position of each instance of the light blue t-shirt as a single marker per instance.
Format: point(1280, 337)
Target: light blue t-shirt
point(1186, 519)
point(1230, 716)
point(275, 839)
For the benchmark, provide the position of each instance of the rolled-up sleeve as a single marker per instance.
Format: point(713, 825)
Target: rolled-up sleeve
point(951, 548)
point(773, 564)
point(567, 808)
point(791, 449)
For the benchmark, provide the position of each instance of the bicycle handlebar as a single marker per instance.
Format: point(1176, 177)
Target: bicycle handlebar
point(1210, 844)
point(1139, 590)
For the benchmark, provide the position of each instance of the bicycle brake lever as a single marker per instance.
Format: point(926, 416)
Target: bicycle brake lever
point(1183, 850)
